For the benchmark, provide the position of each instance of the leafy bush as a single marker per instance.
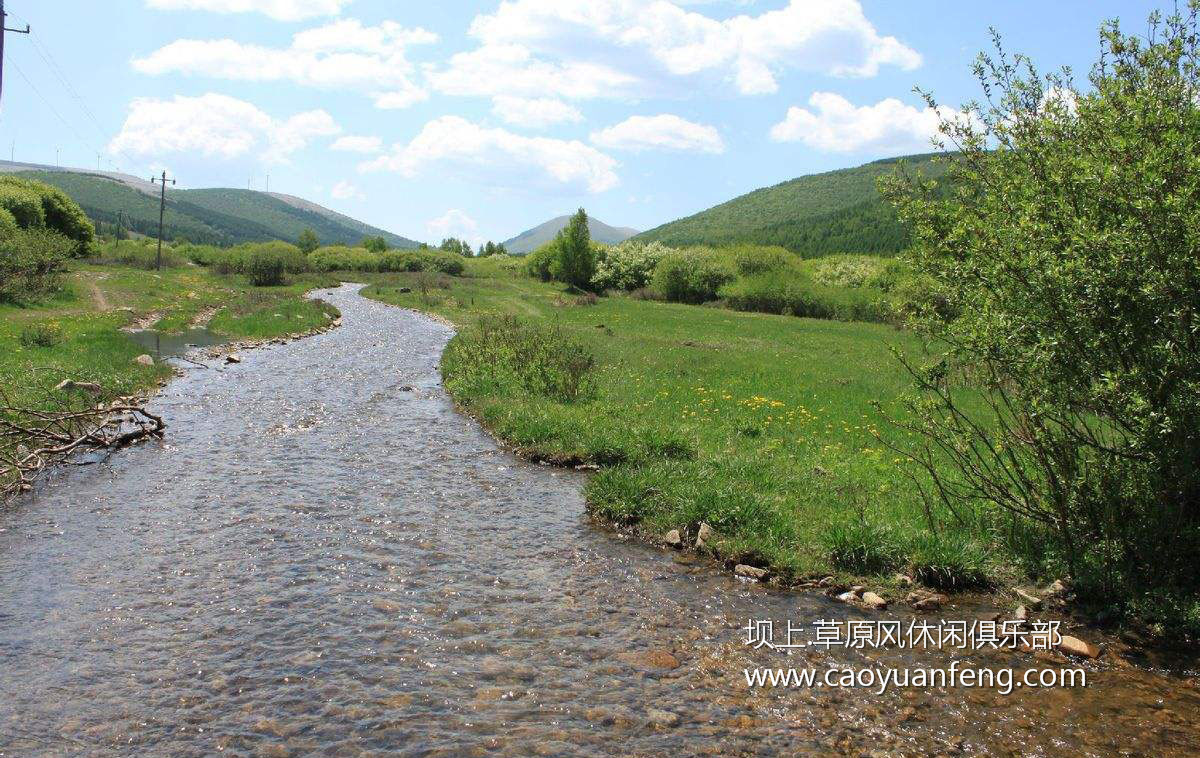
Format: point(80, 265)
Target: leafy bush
point(538, 262)
point(1067, 254)
point(342, 258)
point(794, 294)
point(8, 224)
point(627, 266)
point(753, 259)
point(34, 204)
point(265, 268)
point(421, 260)
point(308, 241)
point(691, 276)
point(31, 263)
point(45, 334)
point(292, 258)
point(504, 354)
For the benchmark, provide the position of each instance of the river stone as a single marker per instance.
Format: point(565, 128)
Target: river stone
point(144, 360)
point(846, 597)
point(1021, 613)
point(1075, 646)
point(673, 539)
point(749, 572)
point(871, 600)
point(1034, 602)
point(703, 534)
point(664, 719)
point(233, 358)
point(926, 601)
point(649, 659)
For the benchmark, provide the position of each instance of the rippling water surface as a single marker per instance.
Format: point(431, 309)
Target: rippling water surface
point(324, 558)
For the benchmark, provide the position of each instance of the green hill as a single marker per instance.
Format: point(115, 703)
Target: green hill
point(210, 216)
point(531, 239)
point(819, 214)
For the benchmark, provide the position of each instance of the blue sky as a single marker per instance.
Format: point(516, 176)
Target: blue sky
point(483, 119)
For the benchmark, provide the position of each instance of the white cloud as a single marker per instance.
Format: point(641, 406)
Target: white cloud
point(357, 144)
point(281, 10)
point(663, 132)
point(500, 158)
point(341, 55)
point(598, 45)
point(216, 126)
point(344, 190)
point(496, 69)
point(837, 125)
point(454, 223)
point(534, 113)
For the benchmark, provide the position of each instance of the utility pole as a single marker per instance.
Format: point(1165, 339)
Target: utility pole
point(4, 29)
point(120, 228)
point(162, 207)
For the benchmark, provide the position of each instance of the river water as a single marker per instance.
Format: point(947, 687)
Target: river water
point(324, 558)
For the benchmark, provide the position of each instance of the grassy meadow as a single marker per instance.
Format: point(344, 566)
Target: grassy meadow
point(762, 426)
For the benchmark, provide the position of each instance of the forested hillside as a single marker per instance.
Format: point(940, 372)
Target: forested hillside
point(819, 214)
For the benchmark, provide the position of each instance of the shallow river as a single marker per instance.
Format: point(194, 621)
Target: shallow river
point(324, 558)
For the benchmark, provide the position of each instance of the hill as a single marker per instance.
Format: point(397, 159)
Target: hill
point(819, 214)
point(531, 239)
point(219, 216)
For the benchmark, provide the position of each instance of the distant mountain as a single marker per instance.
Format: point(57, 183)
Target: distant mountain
point(212, 216)
point(531, 239)
point(819, 214)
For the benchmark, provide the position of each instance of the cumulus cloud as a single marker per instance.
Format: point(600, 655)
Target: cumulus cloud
point(500, 158)
point(837, 125)
point(341, 55)
point(454, 223)
point(662, 132)
point(534, 113)
point(216, 126)
point(281, 10)
point(357, 144)
point(597, 44)
point(344, 190)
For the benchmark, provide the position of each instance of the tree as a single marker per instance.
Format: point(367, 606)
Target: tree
point(457, 246)
point(500, 249)
point(1066, 246)
point(575, 264)
point(489, 249)
point(375, 244)
point(308, 241)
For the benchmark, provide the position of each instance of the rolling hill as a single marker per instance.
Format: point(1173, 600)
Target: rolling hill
point(531, 239)
point(819, 214)
point(218, 216)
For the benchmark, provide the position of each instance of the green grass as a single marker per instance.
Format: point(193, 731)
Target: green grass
point(762, 426)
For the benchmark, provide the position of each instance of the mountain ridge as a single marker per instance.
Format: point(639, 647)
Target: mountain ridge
point(533, 238)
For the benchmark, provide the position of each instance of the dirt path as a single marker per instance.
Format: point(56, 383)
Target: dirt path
point(98, 297)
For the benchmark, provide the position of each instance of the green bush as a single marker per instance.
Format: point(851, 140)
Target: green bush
point(31, 263)
point(45, 334)
point(796, 295)
point(140, 255)
point(8, 224)
point(343, 258)
point(292, 258)
point(504, 354)
point(538, 262)
point(754, 259)
point(265, 268)
point(627, 266)
point(23, 203)
point(691, 276)
point(34, 204)
point(421, 260)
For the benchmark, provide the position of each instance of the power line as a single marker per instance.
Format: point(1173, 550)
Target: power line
point(47, 103)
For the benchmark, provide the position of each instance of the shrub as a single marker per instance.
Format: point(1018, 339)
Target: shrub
point(265, 268)
point(796, 295)
point(138, 255)
point(8, 224)
point(421, 260)
point(753, 259)
point(538, 262)
point(46, 334)
point(691, 276)
point(627, 266)
point(342, 258)
point(292, 258)
point(375, 245)
point(504, 354)
point(31, 263)
point(23, 203)
point(1067, 253)
point(308, 241)
point(35, 204)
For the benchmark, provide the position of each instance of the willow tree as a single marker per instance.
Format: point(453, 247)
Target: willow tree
point(1065, 238)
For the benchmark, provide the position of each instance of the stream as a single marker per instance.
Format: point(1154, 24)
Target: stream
point(323, 557)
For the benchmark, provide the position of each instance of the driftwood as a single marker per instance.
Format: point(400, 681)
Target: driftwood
point(34, 439)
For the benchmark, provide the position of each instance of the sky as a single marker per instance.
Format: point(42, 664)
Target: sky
point(482, 119)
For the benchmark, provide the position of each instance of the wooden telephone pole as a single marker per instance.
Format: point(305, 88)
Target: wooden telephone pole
point(162, 207)
point(4, 29)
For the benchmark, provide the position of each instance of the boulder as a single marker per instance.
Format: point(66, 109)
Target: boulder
point(703, 534)
point(233, 358)
point(673, 539)
point(144, 360)
point(750, 572)
point(904, 580)
point(1077, 647)
point(69, 384)
point(873, 601)
point(846, 597)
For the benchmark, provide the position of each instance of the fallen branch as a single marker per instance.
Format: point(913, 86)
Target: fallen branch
point(35, 439)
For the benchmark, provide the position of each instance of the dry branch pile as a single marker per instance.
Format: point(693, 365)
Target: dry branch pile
point(67, 423)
